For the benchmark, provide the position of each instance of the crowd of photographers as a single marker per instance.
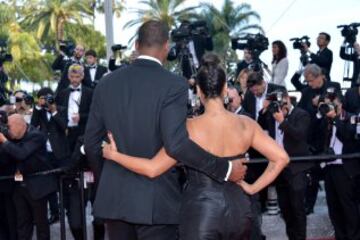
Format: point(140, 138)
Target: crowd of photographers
point(47, 133)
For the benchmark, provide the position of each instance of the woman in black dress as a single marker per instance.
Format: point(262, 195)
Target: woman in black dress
point(212, 210)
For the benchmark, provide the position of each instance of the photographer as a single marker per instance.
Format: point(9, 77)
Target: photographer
point(352, 100)
point(355, 58)
point(324, 56)
point(93, 71)
point(26, 146)
point(67, 56)
point(192, 40)
point(340, 174)
point(244, 64)
point(115, 61)
point(291, 131)
point(23, 104)
point(51, 120)
point(316, 89)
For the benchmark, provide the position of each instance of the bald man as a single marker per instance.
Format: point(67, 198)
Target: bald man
point(26, 146)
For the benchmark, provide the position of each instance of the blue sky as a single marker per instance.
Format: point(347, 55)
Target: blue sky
point(303, 17)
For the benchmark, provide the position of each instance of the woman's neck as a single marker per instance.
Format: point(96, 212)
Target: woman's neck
point(214, 106)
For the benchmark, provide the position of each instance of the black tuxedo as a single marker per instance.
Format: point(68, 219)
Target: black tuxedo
point(324, 60)
point(55, 129)
point(150, 113)
point(100, 72)
point(249, 103)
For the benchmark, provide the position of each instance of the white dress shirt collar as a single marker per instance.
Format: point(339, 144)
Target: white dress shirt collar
point(150, 58)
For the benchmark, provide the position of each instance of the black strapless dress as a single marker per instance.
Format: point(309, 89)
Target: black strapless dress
point(214, 211)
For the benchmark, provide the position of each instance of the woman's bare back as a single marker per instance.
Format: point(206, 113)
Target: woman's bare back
point(222, 134)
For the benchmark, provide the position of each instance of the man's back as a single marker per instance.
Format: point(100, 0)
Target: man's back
point(131, 100)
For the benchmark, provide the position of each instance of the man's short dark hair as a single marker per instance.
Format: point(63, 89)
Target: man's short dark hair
point(44, 92)
point(327, 36)
point(90, 52)
point(153, 33)
point(255, 78)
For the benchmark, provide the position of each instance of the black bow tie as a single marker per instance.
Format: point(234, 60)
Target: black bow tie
point(92, 67)
point(75, 89)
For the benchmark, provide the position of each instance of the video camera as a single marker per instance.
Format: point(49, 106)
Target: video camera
point(276, 101)
point(349, 32)
point(186, 30)
point(4, 129)
point(4, 55)
point(299, 44)
point(325, 108)
point(67, 47)
point(118, 47)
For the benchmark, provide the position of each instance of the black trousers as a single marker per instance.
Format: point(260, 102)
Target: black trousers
point(342, 203)
point(53, 197)
point(314, 176)
point(73, 135)
point(72, 202)
point(120, 230)
point(291, 198)
point(28, 212)
point(8, 217)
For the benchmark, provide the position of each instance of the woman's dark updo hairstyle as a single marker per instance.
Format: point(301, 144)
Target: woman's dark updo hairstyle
point(211, 79)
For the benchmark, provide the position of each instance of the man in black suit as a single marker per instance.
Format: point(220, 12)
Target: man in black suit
point(63, 62)
point(324, 56)
point(76, 99)
point(150, 113)
point(291, 129)
point(310, 97)
point(93, 71)
point(52, 121)
point(340, 174)
point(353, 57)
point(352, 100)
point(27, 147)
point(235, 101)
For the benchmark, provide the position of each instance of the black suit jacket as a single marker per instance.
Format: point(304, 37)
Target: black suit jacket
point(55, 129)
point(352, 100)
point(346, 134)
point(150, 112)
point(100, 72)
point(30, 155)
point(7, 168)
point(62, 99)
point(249, 103)
point(324, 60)
point(296, 129)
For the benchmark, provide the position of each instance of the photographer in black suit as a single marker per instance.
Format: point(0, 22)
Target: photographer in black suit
point(51, 120)
point(324, 56)
point(340, 174)
point(291, 132)
point(137, 207)
point(63, 62)
point(354, 56)
point(317, 87)
point(27, 147)
point(93, 71)
point(190, 49)
point(76, 100)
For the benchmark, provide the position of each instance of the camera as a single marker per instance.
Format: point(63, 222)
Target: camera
point(28, 99)
point(256, 43)
point(299, 42)
point(330, 94)
point(186, 30)
point(276, 101)
point(4, 55)
point(325, 108)
point(349, 32)
point(67, 47)
point(118, 47)
point(4, 129)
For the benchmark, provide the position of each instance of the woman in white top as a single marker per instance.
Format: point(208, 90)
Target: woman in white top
point(280, 63)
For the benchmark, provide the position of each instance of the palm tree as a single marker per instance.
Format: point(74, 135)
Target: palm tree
point(229, 21)
point(48, 17)
point(168, 11)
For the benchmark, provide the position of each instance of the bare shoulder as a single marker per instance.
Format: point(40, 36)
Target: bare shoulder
point(243, 121)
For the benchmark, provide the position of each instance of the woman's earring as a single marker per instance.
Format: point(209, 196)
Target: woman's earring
point(226, 99)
